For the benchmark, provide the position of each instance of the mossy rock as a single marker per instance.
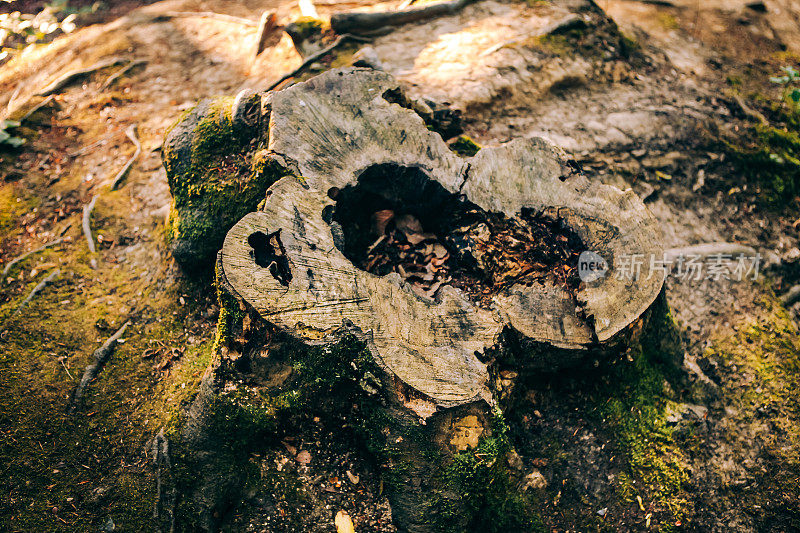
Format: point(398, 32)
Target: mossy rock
point(216, 175)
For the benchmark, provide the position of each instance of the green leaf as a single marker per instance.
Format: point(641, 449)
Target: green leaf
point(795, 95)
point(779, 79)
point(4, 136)
point(15, 141)
point(8, 123)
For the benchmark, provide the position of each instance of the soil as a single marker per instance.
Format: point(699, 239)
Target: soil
point(706, 444)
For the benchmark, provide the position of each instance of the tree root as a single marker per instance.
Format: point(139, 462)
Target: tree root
point(100, 356)
point(74, 75)
point(164, 505)
point(31, 295)
point(24, 256)
point(131, 134)
point(87, 229)
point(359, 22)
point(121, 72)
point(209, 15)
point(310, 59)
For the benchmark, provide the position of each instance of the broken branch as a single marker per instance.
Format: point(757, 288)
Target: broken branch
point(100, 356)
point(363, 21)
point(130, 132)
point(87, 229)
point(266, 26)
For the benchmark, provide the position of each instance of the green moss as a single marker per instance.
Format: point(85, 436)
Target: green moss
point(465, 146)
point(224, 178)
point(309, 26)
point(480, 488)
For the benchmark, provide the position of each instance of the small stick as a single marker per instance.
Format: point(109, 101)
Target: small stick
point(265, 27)
point(208, 15)
point(65, 368)
point(130, 132)
point(121, 72)
point(87, 229)
point(310, 59)
point(100, 356)
point(24, 256)
point(73, 75)
point(31, 295)
point(360, 21)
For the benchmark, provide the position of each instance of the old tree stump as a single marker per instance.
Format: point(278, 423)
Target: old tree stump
point(439, 278)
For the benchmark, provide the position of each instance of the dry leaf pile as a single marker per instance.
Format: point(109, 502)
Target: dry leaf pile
point(480, 253)
point(163, 357)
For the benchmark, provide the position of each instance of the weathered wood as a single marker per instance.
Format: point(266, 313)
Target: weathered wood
point(286, 262)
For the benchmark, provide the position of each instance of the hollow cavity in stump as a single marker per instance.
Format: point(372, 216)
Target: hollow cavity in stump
point(396, 219)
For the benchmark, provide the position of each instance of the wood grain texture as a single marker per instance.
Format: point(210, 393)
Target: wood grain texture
point(328, 131)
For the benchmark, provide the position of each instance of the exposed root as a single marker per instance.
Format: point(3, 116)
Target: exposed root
point(131, 134)
point(24, 256)
point(74, 75)
point(359, 22)
point(31, 295)
point(164, 505)
point(87, 229)
point(208, 15)
point(121, 72)
point(100, 356)
point(36, 108)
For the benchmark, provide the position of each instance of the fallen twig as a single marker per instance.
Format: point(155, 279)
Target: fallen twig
point(566, 23)
point(710, 249)
point(31, 295)
point(121, 72)
point(130, 132)
point(100, 356)
point(360, 21)
point(73, 75)
point(311, 59)
point(87, 229)
point(266, 26)
point(208, 15)
point(24, 256)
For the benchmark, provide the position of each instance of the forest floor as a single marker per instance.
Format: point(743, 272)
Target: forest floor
point(647, 98)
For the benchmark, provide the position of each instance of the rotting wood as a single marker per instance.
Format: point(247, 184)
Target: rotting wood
point(100, 356)
point(72, 76)
point(24, 256)
point(121, 72)
point(130, 132)
point(86, 223)
point(31, 295)
point(359, 22)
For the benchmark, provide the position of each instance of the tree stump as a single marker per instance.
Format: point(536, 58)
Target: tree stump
point(456, 273)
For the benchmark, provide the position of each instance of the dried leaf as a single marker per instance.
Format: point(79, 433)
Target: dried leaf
point(343, 523)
